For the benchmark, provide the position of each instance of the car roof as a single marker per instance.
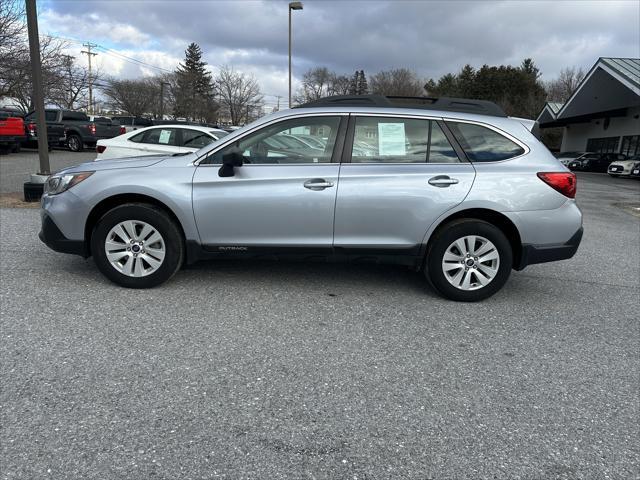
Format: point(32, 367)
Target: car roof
point(180, 125)
point(447, 104)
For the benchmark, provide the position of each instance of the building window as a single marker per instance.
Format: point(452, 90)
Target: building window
point(603, 145)
point(630, 145)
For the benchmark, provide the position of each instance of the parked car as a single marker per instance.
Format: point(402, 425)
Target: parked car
point(623, 167)
point(635, 171)
point(482, 196)
point(566, 158)
point(55, 130)
point(160, 140)
point(12, 132)
point(595, 162)
point(131, 123)
point(80, 130)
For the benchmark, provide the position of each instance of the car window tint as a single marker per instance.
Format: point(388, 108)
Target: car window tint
point(274, 144)
point(195, 138)
point(138, 137)
point(390, 140)
point(160, 136)
point(219, 133)
point(50, 116)
point(482, 144)
point(440, 150)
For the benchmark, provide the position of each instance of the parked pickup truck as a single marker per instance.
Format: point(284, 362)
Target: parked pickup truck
point(132, 123)
point(79, 130)
point(11, 132)
point(55, 130)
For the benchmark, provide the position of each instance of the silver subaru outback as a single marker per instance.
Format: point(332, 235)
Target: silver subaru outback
point(451, 187)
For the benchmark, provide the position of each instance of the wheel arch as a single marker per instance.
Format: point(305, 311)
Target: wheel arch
point(113, 201)
point(490, 216)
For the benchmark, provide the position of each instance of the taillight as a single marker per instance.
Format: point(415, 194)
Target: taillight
point(123, 130)
point(100, 148)
point(31, 128)
point(92, 128)
point(563, 182)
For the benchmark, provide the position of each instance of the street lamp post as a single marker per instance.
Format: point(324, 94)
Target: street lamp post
point(292, 6)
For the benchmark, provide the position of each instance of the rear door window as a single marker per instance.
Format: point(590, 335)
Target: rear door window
point(482, 144)
point(195, 138)
point(400, 140)
point(161, 136)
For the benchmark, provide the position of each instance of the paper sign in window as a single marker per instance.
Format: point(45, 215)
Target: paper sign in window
point(165, 135)
point(391, 139)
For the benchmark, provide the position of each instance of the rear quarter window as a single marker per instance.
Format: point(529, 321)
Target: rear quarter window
point(481, 144)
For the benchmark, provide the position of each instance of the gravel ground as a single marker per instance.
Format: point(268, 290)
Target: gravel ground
point(276, 370)
point(15, 168)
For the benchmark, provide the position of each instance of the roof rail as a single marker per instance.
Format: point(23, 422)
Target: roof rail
point(447, 104)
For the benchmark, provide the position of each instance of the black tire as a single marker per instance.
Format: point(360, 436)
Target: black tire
point(74, 142)
point(16, 147)
point(158, 219)
point(453, 231)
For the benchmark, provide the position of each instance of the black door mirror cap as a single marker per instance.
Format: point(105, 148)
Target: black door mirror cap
point(231, 159)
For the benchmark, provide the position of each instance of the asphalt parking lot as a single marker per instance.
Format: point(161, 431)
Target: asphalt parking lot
point(285, 370)
point(15, 168)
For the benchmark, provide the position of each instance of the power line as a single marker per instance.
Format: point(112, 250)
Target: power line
point(110, 52)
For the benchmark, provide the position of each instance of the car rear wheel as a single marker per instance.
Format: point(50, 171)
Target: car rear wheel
point(75, 143)
point(137, 246)
point(469, 260)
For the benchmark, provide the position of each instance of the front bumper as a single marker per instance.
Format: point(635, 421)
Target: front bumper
point(53, 238)
point(532, 254)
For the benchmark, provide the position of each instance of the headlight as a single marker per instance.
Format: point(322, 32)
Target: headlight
point(60, 183)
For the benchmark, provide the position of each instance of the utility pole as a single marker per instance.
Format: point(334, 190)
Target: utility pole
point(38, 95)
point(162, 84)
point(90, 54)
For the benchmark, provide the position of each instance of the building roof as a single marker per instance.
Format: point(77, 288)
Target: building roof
point(627, 68)
point(549, 112)
point(610, 87)
point(555, 106)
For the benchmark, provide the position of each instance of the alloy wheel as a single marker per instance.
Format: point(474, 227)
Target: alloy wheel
point(135, 248)
point(471, 262)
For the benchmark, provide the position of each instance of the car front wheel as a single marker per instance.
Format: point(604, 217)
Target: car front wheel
point(469, 260)
point(137, 246)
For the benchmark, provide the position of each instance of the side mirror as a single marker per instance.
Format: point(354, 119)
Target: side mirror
point(233, 158)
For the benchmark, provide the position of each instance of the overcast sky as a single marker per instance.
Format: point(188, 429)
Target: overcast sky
point(430, 37)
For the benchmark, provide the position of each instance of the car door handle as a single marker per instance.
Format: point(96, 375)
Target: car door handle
point(317, 184)
point(442, 181)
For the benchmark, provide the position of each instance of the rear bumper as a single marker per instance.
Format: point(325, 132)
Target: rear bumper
point(532, 254)
point(53, 238)
point(10, 139)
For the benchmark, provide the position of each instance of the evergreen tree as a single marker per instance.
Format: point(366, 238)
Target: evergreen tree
point(353, 86)
point(363, 87)
point(358, 84)
point(194, 88)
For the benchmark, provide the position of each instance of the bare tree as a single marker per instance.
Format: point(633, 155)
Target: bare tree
point(19, 72)
point(400, 81)
point(321, 82)
point(136, 97)
point(316, 83)
point(560, 89)
point(71, 88)
point(339, 85)
point(239, 95)
point(15, 66)
point(12, 46)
